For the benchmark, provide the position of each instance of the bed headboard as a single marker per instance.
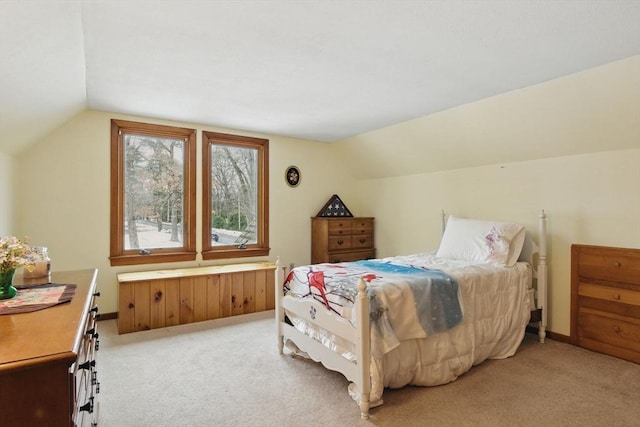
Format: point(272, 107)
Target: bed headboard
point(529, 249)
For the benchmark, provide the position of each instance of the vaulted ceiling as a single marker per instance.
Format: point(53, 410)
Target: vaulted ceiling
point(320, 70)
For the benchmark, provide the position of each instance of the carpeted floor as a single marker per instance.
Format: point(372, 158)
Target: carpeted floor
point(228, 372)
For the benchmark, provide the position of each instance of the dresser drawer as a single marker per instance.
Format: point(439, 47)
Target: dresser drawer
point(352, 256)
point(362, 226)
point(339, 242)
point(86, 373)
point(362, 241)
point(610, 293)
point(339, 227)
point(610, 330)
point(613, 266)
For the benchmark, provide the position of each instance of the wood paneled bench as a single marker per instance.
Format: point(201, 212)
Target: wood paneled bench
point(159, 298)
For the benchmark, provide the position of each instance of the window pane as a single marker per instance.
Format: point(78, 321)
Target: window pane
point(234, 195)
point(153, 192)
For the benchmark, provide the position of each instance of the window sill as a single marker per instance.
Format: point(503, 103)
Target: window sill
point(152, 258)
point(234, 253)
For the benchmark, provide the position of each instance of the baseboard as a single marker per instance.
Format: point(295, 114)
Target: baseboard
point(559, 337)
point(532, 328)
point(108, 316)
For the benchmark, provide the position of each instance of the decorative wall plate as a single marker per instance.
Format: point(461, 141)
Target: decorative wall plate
point(335, 208)
point(292, 176)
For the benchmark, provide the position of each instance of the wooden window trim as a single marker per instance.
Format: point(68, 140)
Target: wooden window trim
point(261, 248)
point(118, 255)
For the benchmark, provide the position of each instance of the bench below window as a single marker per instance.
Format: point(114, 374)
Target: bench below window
point(159, 298)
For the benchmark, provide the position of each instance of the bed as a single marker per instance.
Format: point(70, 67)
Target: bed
point(421, 319)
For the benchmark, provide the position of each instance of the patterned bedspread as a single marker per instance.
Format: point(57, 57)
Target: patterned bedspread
point(406, 301)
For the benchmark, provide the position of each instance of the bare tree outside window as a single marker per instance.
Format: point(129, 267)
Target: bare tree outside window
point(235, 196)
point(154, 188)
point(153, 171)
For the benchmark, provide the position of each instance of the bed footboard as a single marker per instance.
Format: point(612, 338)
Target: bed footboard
point(315, 313)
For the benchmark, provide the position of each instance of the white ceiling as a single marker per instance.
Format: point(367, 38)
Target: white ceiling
point(320, 70)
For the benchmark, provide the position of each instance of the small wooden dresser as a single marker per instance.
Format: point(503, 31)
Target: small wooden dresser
point(341, 239)
point(605, 300)
point(48, 373)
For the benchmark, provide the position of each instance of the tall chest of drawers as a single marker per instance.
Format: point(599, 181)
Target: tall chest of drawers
point(48, 372)
point(341, 239)
point(605, 300)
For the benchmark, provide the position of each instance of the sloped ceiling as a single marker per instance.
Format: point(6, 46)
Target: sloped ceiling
point(319, 70)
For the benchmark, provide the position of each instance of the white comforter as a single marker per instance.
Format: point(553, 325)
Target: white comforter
point(496, 303)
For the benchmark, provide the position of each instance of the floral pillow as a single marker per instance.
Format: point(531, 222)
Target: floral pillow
point(484, 242)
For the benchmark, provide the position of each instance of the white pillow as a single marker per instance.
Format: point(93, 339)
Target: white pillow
point(515, 247)
point(485, 242)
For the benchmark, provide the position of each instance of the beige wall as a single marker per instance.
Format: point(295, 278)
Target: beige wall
point(587, 112)
point(506, 157)
point(7, 205)
point(589, 199)
point(64, 197)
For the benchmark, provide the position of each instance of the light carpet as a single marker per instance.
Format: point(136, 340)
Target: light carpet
point(228, 372)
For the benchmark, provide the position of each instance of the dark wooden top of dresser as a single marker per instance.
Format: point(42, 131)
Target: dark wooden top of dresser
point(49, 335)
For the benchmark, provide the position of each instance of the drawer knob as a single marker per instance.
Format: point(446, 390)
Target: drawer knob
point(340, 242)
point(616, 297)
point(363, 240)
point(618, 264)
point(616, 329)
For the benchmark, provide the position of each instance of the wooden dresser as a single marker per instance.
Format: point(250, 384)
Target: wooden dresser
point(605, 300)
point(341, 239)
point(48, 370)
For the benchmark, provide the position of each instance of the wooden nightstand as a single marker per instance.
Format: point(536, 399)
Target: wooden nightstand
point(605, 300)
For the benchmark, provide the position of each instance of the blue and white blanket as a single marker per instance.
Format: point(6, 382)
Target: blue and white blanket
point(406, 301)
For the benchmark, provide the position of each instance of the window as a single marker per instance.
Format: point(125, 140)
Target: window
point(152, 193)
point(235, 196)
